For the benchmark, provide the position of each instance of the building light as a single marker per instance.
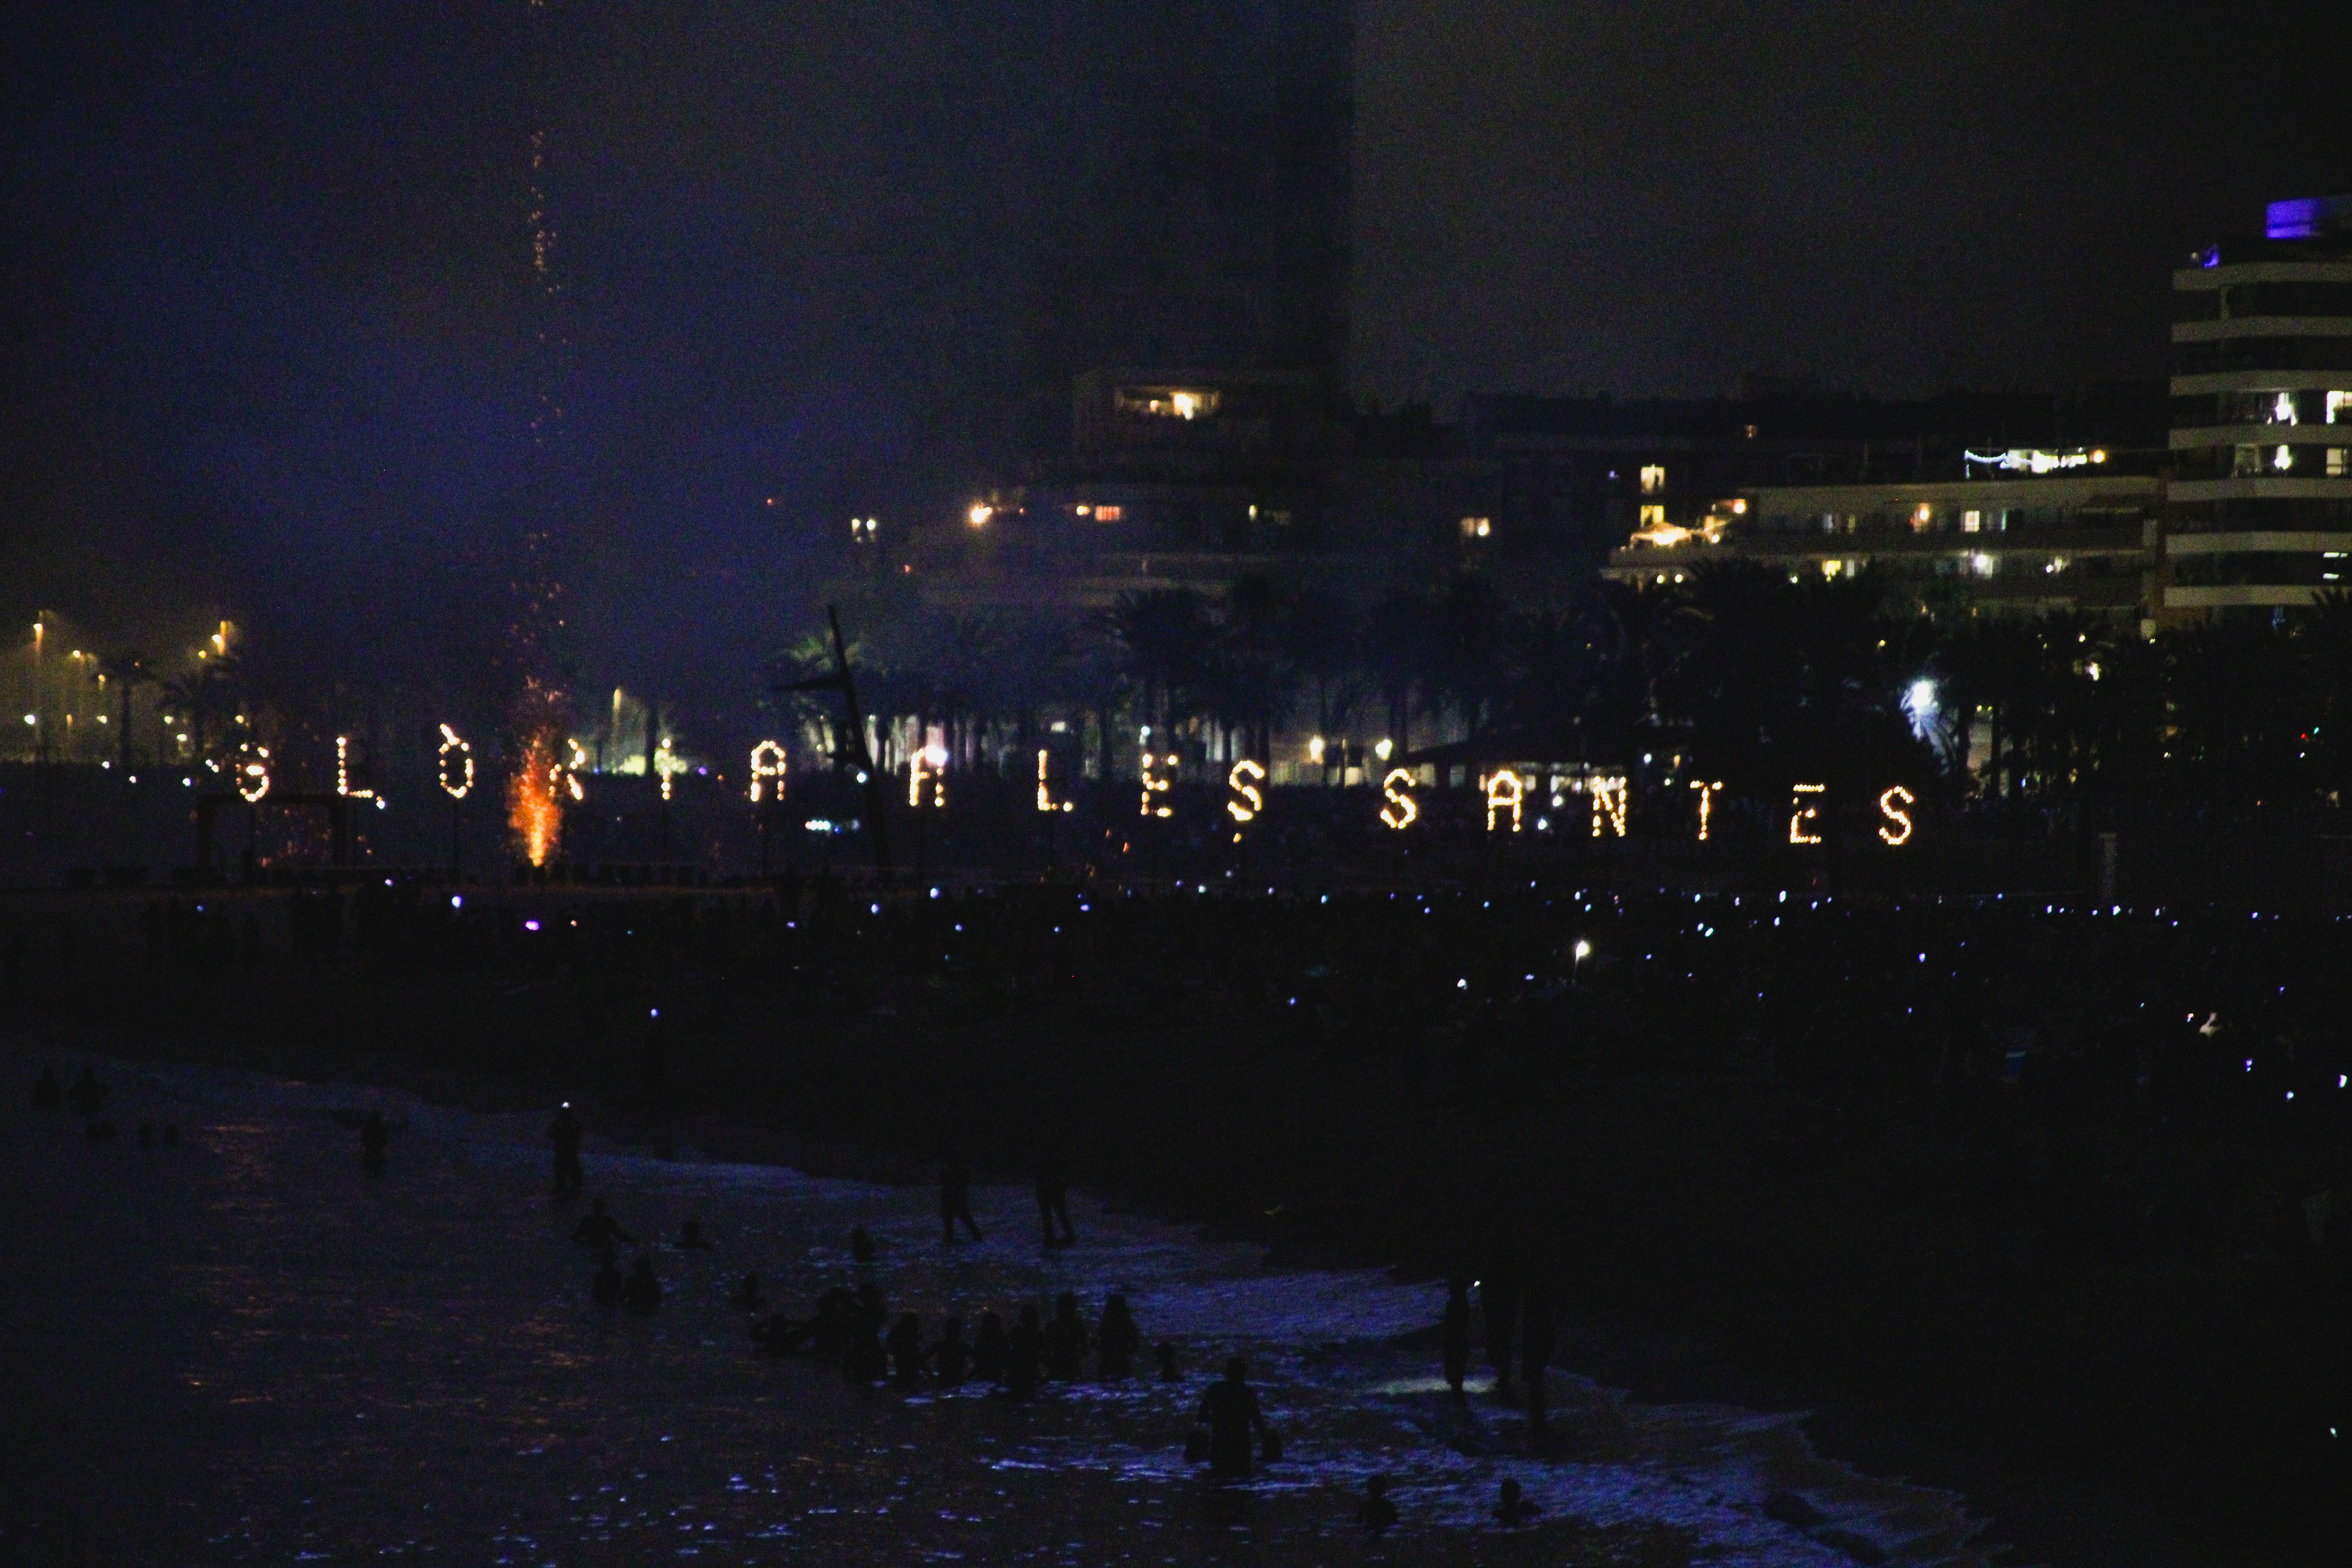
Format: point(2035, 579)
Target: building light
point(1971, 523)
point(1315, 749)
point(2055, 565)
point(1923, 519)
point(2283, 409)
point(980, 514)
point(1739, 507)
point(1477, 526)
point(1168, 402)
point(1653, 480)
point(1109, 513)
point(2282, 459)
point(1831, 568)
point(1382, 748)
point(2338, 402)
point(1983, 565)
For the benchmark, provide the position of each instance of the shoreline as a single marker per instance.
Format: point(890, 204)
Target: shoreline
point(2028, 1520)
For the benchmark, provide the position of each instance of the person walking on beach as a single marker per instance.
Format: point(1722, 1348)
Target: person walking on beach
point(955, 1196)
point(374, 1136)
point(564, 1134)
point(598, 1229)
point(1231, 1411)
point(1455, 1336)
point(1054, 1198)
point(1498, 1303)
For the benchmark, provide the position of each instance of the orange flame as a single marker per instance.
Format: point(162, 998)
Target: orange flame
point(534, 808)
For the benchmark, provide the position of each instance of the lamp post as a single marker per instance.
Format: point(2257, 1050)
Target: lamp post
point(1583, 950)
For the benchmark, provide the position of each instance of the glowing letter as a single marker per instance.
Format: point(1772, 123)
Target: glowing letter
point(452, 746)
point(1503, 794)
point(1399, 813)
point(1154, 784)
point(1244, 781)
point(925, 763)
point(1799, 814)
point(343, 771)
point(767, 762)
point(565, 776)
point(1609, 804)
point(1705, 804)
point(253, 775)
point(1046, 800)
point(1896, 829)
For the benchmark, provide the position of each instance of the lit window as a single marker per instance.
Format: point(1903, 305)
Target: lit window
point(1085, 510)
point(1653, 480)
point(1971, 523)
point(2247, 460)
point(1168, 402)
point(1109, 513)
point(2336, 462)
point(2283, 410)
point(2339, 404)
point(1831, 568)
point(1477, 526)
point(2282, 459)
point(1983, 565)
point(1654, 517)
point(2055, 565)
point(1923, 519)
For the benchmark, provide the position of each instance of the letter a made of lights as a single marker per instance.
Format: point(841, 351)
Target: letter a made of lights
point(768, 762)
point(1155, 786)
point(459, 783)
point(1898, 828)
point(1705, 804)
point(1802, 813)
point(1398, 810)
point(1504, 792)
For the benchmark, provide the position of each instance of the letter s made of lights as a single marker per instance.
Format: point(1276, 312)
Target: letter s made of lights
point(1897, 827)
point(460, 783)
point(1396, 790)
point(1244, 780)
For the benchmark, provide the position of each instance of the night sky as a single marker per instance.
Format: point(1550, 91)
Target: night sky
point(267, 290)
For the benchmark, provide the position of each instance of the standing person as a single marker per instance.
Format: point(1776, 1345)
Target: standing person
point(905, 1343)
point(564, 1134)
point(1455, 1336)
point(1065, 1339)
point(374, 1136)
point(1054, 1198)
point(951, 1356)
point(1230, 1409)
point(1117, 1339)
point(1024, 1348)
point(990, 1352)
point(955, 1196)
point(598, 1228)
point(1538, 1330)
point(1498, 1302)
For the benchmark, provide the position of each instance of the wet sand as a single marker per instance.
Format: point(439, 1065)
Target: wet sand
point(244, 1350)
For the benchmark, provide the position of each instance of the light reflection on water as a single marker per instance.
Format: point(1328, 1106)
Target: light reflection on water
point(409, 1369)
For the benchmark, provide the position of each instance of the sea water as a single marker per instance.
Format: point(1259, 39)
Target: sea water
point(243, 1348)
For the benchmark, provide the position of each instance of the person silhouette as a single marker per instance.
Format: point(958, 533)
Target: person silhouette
point(990, 1350)
point(598, 1229)
point(906, 1347)
point(48, 1093)
point(869, 1309)
point(861, 1244)
point(1116, 1339)
point(608, 1287)
point(1024, 1348)
point(87, 1094)
point(564, 1133)
point(1498, 1302)
point(747, 1294)
point(864, 1359)
point(951, 1357)
point(1165, 1353)
point(1376, 1513)
point(689, 1239)
point(1515, 1509)
point(1054, 1198)
point(374, 1136)
point(1455, 1336)
point(644, 1290)
point(955, 1197)
point(1230, 1409)
point(1538, 1330)
point(1065, 1339)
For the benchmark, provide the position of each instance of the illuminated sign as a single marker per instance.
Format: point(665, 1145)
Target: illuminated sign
point(343, 771)
point(457, 784)
point(768, 762)
point(1046, 800)
point(1802, 814)
point(923, 763)
point(1244, 780)
point(1896, 829)
point(1398, 810)
point(1608, 804)
point(565, 775)
point(1504, 792)
point(253, 774)
point(1154, 784)
point(1705, 804)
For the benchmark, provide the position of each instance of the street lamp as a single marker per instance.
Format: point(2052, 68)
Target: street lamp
point(1583, 950)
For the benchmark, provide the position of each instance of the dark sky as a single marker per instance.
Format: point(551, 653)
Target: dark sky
point(267, 293)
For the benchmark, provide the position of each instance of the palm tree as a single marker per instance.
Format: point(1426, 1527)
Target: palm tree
point(1396, 654)
point(1164, 636)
